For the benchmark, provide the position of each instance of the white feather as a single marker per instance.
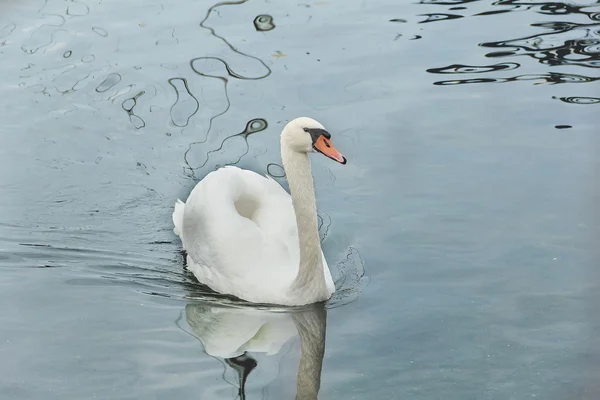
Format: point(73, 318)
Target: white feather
point(240, 233)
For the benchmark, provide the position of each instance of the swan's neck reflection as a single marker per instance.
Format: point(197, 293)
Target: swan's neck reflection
point(230, 333)
point(311, 327)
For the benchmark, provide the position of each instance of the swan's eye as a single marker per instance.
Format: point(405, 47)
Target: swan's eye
point(306, 129)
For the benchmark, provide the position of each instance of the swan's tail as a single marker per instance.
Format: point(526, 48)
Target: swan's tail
point(178, 218)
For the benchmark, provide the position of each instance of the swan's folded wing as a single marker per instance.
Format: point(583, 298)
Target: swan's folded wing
point(233, 253)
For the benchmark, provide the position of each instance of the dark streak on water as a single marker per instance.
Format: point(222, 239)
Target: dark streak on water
point(551, 78)
point(439, 17)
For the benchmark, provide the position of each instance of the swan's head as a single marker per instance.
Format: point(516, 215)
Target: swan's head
point(306, 135)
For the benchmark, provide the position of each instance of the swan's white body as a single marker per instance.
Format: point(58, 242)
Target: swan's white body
point(256, 258)
point(246, 236)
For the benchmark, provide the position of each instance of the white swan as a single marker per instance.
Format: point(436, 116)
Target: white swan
point(245, 236)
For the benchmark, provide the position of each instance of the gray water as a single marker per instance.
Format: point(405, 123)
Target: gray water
point(462, 232)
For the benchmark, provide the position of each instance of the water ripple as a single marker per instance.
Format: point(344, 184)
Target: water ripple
point(204, 66)
point(275, 170)
point(568, 43)
point(186, 105)
point(110, 81)
point(128, 105)
point(7, 30)
point(561, 43)
point(547, 8)
point(439, 17)
point(235, 50)
point(100, 31)
point(43, 35)
point(77, 9)
point(550, 78)
point(252, 126)
point(263, 23)
point(470, 69)
point(580, 100)
point(446, 2)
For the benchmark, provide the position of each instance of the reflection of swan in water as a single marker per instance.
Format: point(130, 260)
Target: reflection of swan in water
point(231, 333)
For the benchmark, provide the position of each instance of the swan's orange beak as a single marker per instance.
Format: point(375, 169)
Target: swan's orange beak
point(324, 146)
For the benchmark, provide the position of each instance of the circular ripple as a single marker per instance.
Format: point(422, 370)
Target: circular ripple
point(275, 170)
point(255, 125)
point(580, 100)
point(264, 23)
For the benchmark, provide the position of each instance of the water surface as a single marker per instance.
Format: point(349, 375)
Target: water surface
point(469, 198)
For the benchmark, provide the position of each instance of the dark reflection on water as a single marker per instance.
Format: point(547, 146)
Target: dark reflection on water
point(469, 69)
point(439, 17)
point(580, 100)
point(583, 50)
point(551, 78)
point(233, 334)
point(567, 44)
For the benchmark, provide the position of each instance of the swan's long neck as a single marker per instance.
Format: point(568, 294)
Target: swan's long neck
point(310, 281)
point(311, 326)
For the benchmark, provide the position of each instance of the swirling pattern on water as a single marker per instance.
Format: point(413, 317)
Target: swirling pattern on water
point(264, 23)
point(580, 100)
point(563, 44)
point(580, 45)
point(222, 77)
point(252, 126)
